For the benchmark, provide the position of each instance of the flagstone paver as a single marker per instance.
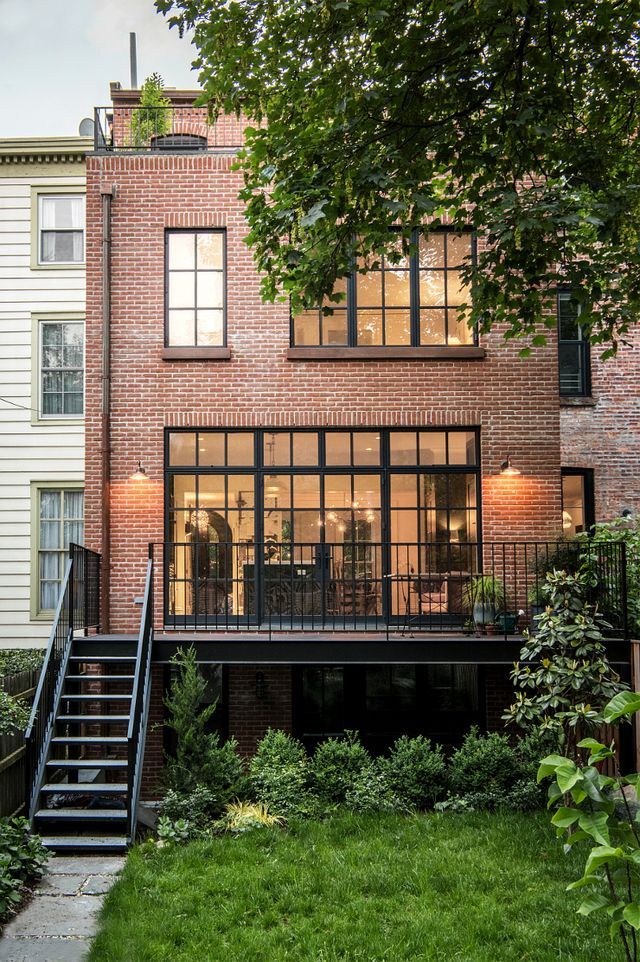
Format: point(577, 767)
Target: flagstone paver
point(59, 922)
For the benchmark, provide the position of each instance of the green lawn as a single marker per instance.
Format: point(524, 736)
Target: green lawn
point(472, 888)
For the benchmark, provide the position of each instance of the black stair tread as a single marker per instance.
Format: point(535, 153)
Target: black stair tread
point(86, 842)
point(93, 718)
point(100, 678)
point(89, 739)
point(96, 639)
point(89, 696)
point(84, 788)
point(87, 762)
point(98, 659)
point(83, 814)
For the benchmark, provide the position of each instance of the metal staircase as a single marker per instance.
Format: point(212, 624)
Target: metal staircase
point(86, 735)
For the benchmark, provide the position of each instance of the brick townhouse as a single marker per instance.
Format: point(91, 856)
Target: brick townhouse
point(319, 495)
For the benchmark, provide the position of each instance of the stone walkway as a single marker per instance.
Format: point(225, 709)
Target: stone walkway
point(61, 919)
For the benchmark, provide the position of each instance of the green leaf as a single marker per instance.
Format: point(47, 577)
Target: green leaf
point(595, 825)
point(592, 903)
point(631, 915)
point(549, 765)
point(623, 704)
point(599, 856)
point(565, 817)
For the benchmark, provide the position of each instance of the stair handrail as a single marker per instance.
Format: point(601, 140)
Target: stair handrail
point(45, 700)
point(136, 731)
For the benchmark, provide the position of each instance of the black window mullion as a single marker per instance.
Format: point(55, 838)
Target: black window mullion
point(195, 288)
point(414, 292)
point(446, 285)
point(352, 308)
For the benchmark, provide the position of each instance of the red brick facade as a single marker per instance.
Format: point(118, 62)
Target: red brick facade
point(513, 401)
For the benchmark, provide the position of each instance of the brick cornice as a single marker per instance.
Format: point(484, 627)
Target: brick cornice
point(428, 417)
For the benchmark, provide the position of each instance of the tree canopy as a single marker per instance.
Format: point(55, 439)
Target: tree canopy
point(515, 118)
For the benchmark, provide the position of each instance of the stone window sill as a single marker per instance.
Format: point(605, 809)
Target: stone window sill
point(196, 353)
point(577, 402)
point(444, 353)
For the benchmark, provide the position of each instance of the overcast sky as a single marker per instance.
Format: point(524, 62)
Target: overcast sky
point(57, 58)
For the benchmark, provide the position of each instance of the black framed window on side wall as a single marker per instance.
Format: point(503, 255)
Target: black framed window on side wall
point(574, 354)
point(578, 512)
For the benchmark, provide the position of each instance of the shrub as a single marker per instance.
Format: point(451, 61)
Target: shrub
point(14, 714)
point(485, 764)
point(279, 774)
point(199, 807)
point(564, 679)
point(200, 759)
point(15, 660)
point(336, 765)
point(417, 772)
point(22, 860)
point(241, 817)
point(625, 530)
point(371, 792)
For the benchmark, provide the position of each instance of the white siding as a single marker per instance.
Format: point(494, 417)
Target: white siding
point(28, 452)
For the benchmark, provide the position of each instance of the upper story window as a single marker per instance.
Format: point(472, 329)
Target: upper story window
point(573, 349)
point(61, 221)
point(416, 301)
point(61, 369)
point(195, 288)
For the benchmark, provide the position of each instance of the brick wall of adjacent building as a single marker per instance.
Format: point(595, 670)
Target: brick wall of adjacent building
point(514, 401)
point(605, 434)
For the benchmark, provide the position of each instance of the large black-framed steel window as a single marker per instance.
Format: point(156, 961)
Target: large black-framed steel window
point(410, 300)
point(578, 506)
point(195, 288)
point(382, 702)
point(574, 355)
point(321, 520)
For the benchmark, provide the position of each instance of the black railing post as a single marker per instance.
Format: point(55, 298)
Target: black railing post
point(71, 588)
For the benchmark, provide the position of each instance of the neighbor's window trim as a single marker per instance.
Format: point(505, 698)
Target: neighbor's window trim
point(37, 613)
point(40, 190)
point(174, 349)
point(586, 386)
point(37, 417)
point(350, 303)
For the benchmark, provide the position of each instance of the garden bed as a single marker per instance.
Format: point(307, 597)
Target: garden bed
point(449, 888)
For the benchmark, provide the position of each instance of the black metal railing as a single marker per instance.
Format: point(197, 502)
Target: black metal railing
point(176, 129)
point(488, 588)
point(78, 609)
point(136, 732)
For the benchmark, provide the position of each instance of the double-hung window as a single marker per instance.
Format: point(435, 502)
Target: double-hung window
point(195, 288)
point(61, 369)
point(573, 349)
point(402, 300)
point(61, 221)
point(59, 516)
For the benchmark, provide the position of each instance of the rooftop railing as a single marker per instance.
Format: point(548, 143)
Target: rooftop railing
point(176, 129)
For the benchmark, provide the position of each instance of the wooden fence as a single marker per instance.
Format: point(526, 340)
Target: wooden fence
point(13, 777)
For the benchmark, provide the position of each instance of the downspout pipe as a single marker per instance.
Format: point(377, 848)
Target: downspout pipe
point(107, 195)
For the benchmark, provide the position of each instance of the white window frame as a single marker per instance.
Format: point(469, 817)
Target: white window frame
point(38, 417)
point(37, 487)
point(60, 189)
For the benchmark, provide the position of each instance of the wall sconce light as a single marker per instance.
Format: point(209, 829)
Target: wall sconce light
point(261, 687)
point(508, 470)
point(139, 474)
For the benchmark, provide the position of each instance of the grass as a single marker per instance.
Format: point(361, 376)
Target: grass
point(472, 888)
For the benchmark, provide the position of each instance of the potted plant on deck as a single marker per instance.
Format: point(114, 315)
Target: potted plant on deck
point(484, 596)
